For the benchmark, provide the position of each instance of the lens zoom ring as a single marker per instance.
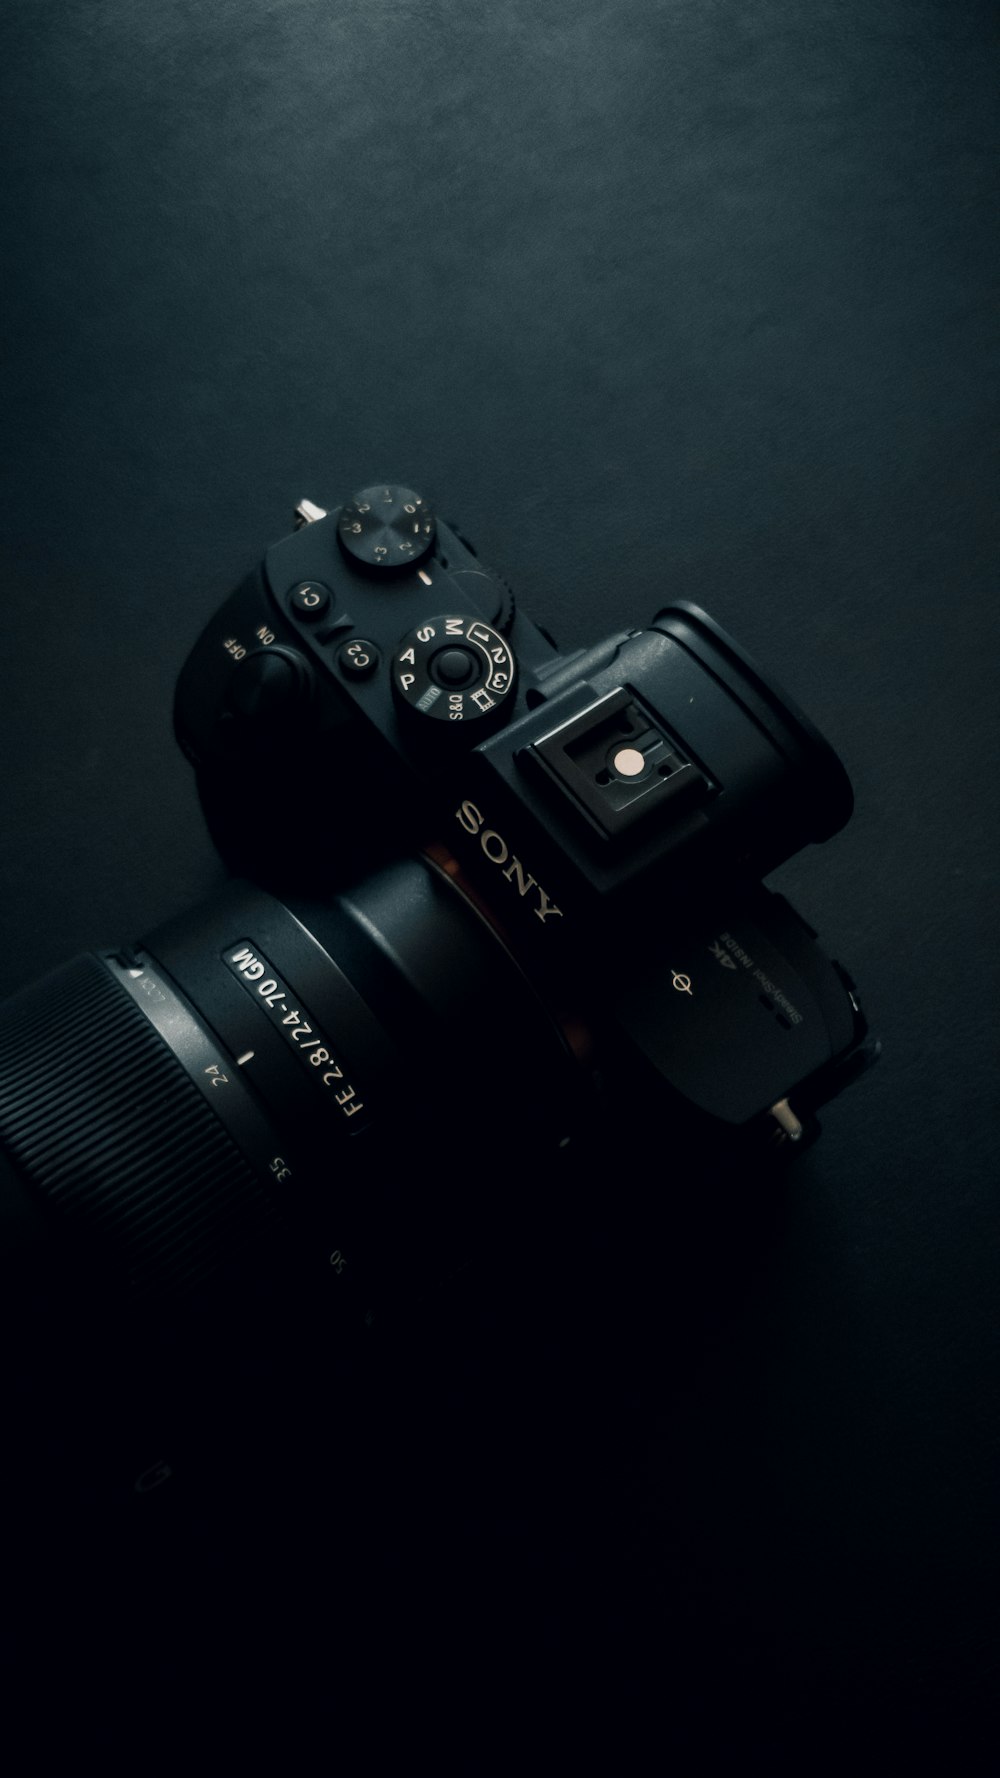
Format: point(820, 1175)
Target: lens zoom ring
point(100, 1115)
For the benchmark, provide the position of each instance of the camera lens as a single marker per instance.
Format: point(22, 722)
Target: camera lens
point(349, 1081)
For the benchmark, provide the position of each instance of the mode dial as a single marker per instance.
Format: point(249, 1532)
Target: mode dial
point(386, 528)
point(455, 669)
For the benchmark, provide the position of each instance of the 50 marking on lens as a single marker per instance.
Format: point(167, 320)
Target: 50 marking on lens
point(297, 1028)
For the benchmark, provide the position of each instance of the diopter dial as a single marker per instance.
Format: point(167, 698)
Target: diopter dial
point(455, 669)
point(386, 528)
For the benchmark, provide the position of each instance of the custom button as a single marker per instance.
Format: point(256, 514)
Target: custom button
point(309, 600)
point(358, 658)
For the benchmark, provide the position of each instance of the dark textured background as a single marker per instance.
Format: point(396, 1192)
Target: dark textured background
point(686, 299)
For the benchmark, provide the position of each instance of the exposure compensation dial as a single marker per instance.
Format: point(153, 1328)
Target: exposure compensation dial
point(455, 669)
point(385, 529)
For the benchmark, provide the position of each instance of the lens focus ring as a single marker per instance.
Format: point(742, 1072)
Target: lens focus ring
point(97, 1111)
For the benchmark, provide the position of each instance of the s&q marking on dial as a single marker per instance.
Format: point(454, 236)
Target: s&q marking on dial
point(455, 669)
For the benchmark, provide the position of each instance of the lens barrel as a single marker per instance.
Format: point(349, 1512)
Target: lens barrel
point(354, 1076)
point(100, 1114)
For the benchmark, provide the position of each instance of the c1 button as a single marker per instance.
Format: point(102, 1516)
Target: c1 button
point(309, 600)
point(358, 658)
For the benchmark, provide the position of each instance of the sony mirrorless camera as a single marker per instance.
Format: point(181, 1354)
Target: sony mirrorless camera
point(484, 892)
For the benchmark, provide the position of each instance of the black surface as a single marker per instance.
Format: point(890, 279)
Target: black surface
point(660, 302)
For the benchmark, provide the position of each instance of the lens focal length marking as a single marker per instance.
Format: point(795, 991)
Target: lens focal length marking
point(207, 1066)
point(297, 1027)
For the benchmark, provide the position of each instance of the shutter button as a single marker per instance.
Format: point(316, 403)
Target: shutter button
point(265, 685)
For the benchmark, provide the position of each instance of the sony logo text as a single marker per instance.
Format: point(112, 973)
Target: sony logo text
point(496, 849)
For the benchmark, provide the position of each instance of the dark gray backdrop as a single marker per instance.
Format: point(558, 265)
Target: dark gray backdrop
point(659, 300)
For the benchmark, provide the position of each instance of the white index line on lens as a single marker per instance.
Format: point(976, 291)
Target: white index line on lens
point(425, 577)
point(246, 1058)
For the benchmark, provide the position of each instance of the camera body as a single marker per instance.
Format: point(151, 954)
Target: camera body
point(489, 902)
point(373, 689)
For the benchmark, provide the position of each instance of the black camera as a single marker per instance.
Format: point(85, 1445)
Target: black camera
point(482, 887)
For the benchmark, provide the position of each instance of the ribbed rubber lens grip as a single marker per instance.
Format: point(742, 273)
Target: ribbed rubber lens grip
point(101, 1117)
